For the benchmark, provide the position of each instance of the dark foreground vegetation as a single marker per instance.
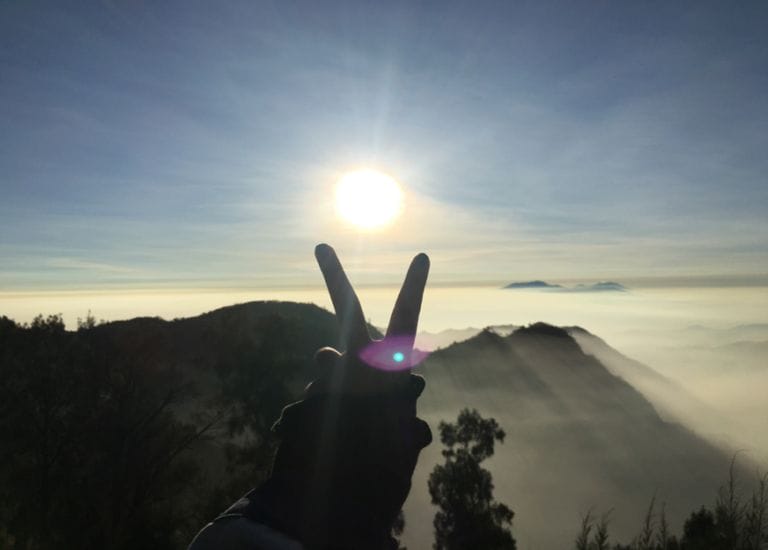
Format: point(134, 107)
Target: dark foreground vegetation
point(135, 434)
point(733, 522)
point(468, 516)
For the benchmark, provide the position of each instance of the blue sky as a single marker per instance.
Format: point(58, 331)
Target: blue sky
point(196, 144)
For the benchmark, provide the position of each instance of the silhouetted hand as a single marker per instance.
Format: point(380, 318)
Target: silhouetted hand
point(352, 444)
point(348, 449)
point(369, 366)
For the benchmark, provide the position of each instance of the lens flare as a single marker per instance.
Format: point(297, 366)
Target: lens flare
point(394, 353)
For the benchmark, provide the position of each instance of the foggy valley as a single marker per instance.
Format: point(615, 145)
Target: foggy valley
point(588, 428)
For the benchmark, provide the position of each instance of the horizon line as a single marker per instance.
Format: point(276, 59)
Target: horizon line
point(158, 287)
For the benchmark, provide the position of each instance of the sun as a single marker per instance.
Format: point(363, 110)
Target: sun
point(368, 199)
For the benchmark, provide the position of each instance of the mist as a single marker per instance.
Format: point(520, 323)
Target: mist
point(697, 355)
point(701, 354)
point(711, 341)
point(584, 432)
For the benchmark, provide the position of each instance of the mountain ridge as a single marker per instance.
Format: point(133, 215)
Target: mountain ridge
point(578, 434)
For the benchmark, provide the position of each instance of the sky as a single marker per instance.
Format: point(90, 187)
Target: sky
point(183, 145)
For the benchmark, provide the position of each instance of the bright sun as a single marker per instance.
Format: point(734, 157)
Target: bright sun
point(368, 199)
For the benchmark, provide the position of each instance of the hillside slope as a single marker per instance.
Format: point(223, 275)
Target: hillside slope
point(578, 437)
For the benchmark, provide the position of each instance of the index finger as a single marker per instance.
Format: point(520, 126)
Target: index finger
point(349, 312)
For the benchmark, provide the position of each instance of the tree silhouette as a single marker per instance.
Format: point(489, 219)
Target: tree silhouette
point(733, 523)
point(92, 454)
point(700, 531)
point(463, 490)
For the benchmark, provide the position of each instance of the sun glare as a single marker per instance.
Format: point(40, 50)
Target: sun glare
point(368, 199)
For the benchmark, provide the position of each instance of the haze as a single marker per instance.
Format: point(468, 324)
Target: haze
point(712, 339)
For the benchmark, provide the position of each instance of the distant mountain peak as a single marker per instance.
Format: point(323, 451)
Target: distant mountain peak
point(602, 286)
point(531, 284)
point(486, 335)
point(576, 329)
point(543, 329)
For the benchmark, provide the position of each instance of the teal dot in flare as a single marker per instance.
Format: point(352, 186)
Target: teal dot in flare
point(398, 356)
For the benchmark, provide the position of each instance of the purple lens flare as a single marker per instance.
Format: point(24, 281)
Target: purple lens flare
point(394, 353)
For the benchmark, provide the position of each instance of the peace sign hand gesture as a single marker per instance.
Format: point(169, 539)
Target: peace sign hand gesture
point(370, 366)
point(349, 448)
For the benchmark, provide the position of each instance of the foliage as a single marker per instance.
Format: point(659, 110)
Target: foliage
point(645, 540)
point(397, 529)
point(582, 539)
point(731, 524)
point(468, 516)
point(255, 372)
point(134, 434)
point(600, 539)
point(700, 530)
point(92, 454)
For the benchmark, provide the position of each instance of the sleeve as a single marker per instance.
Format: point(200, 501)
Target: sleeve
point(239, 533)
